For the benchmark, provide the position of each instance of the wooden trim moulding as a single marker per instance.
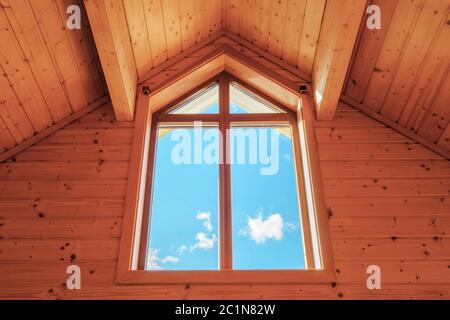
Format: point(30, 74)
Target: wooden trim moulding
point(52, 129)
point(177, 58)
point(282, 64)
point(224, 58)
point(397, 127)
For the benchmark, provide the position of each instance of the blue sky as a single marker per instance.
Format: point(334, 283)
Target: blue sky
point(184, 223)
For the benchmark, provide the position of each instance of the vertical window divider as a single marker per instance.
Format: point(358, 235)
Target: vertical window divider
point(225, 236)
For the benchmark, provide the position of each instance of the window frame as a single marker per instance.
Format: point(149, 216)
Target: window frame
point(135, 273)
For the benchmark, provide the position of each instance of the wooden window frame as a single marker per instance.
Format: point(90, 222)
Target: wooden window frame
point(134, 241)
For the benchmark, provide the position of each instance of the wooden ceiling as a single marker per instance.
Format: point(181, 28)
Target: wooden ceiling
point(47, 72)
point(160, 29)
point(402, 71)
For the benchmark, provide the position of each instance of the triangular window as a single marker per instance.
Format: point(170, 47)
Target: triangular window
point(205, 101)
point(242, 101)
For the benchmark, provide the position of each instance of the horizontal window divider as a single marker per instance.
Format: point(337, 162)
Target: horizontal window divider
point(259, 117)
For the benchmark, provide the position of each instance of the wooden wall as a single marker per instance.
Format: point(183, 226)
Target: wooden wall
point(61, 202)
point(46, 71)
point(402, 71)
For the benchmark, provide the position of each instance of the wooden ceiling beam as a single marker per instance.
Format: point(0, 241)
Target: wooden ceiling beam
point(109, 27)
point(337, 39)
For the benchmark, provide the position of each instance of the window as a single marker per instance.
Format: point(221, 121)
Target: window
point(226, 185)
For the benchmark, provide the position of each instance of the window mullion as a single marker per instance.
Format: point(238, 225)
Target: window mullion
point(224, 177)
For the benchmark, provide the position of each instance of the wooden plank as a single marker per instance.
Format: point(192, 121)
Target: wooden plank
point(42, 228)
point(391, 292)
point(186, 54)
point(24, 274)
point(24, 189)
point(391, 250)
point(433, 15)
point(246, 20)
point(137, 27)
point(90, 136)
point(82, 46)
point(53, 250)
point(12, 113)
point(155, 30)
point(81, 153)
point(395, 272)
point(402, 21)
point(295, 16)
point(109, 26)
point(314, 12)
point(261, 23)
point(215, 9)
point(233, 10)
point(444, 140)
point(45, 133)
point(60, 208)
point(348, 119)
point(188, 22)
point(380, 168)
point(386, 187)
point(376, 151)
point(394, 125)
point(21, 77)
point(262, 55)
point(6, 140)
point(369, 47)
point(276, 27)
point(416, 206)
point(172, 28)
point(423, 106)
point(35, 51)
point(52, 29)
point(434, 72)
point(102, 117)
point(175, 88)
point(438, 115)
point(336, 42)
point(203, 19)
point(390, 227)
point(55, 170)
point(194, 292)
point(359, 135)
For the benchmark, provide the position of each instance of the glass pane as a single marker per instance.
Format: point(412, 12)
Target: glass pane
point(184, 209)
point(242, 101)
point(205, 101)
point(266, 229)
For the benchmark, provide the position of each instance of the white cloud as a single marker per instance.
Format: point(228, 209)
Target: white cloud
point(206, 218)
point(170, 259)
point(182, 249)
point(291, 226)
point(153, 259)
point(203, 242)
point(260, 230)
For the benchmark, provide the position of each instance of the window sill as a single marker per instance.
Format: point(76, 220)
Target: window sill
point(226, 277)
